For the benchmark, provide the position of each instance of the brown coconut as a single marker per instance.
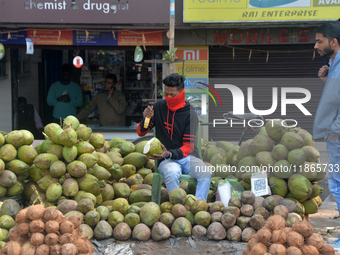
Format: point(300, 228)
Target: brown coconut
point(277, 249)
point(246, 251)
point(52, 226)
point(75, 220)
point(315, 240)
point(287, 230)
point(37, 226)
point(66, 238)
point(27, 249)
point(35, 212)
point(264, 235)
point(37, 239)
point(66, 227)
point(295, 239)
point(68, 249)
point(14, 235)
point(55, 249)
point(276, 222)
point(23, 229)
point(303, 228)
point(252, 242)
point(327, 249)
point(43, 249)
point(21, 216)
point(258, 249)
point(12, 248)
point(50, 214)
point(279, 236)
point(294, 251)
point(82, 245)
point(309, 250)
point(51, 239)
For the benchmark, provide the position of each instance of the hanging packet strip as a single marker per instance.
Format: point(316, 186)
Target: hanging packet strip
point(2, 51)
point(29, 46)
point(235, 187)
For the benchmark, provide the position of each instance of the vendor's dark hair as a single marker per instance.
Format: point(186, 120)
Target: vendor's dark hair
point(112, 77)
point(66, 68)
point(22, 100)
point(330, 30)
point(174, 80)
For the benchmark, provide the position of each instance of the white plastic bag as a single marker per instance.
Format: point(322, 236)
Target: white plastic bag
point(224, 193)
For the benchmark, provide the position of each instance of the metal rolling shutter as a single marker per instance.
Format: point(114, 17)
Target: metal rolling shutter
point(295, 69)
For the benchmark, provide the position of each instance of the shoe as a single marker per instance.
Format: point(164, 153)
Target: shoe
point(336, 245)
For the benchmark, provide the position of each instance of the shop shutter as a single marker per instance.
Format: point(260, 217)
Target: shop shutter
point(293, 69)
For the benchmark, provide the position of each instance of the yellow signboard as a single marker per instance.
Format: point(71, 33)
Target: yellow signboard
point(260, 10)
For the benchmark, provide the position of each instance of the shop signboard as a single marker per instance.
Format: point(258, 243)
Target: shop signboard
point(84, 11)
point(50, 37)
point(12, 37)
point(95, 38)
point(140, 37)
point(259, 10)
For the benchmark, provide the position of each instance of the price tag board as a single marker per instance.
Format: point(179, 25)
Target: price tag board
point(259, 184)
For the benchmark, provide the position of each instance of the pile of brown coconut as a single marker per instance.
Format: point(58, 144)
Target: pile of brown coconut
point(47, 231)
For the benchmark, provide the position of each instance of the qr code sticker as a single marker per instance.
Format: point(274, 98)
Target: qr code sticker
point(260, 184)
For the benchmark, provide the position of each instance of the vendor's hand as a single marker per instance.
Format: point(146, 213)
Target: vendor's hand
point(64, 98)
point(323, 72)
point(165, 154)
point(148, 112)
point(330, 137)
point(110, 92)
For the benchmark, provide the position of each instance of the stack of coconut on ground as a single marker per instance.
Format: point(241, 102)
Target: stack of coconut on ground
point(46, 231)
point(276, 239)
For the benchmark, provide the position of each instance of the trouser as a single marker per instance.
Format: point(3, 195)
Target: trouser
point(333, 149)
point(190, 165)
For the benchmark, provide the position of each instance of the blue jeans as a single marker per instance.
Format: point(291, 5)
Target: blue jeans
point(333, 149)
point(190, 165)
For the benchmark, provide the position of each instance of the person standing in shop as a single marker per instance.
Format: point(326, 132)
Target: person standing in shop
point(327, 117)
point(110, 103)
point(64, 95)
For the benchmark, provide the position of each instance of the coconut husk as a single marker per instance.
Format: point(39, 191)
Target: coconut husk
point(51, 239)
point(50, 214)
point(294, 251)
point(252, 242)
point(66, 238)
point(37, 226)
point(68, 249)
point(276, 222)
point(315, 240)
point(303, 228)
point(264, 235)
point(277, 249)
point(52, 226)
point(295, 239)
point(309, 250)
point(35, 212)
point(27, 249)
point(327, 249)
point(23, 229)
point(37, 239)
point(258, 249)
point(14, 235)
point(55, 249)
point(246, 252)
point(279, 237)
point(75, 220)
point(21, 216)
point(66, 227)
point(287, 230)
point(43, 249)
point(12, 248)
point(81, 245)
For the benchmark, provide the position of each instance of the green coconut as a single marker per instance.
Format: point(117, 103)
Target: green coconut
point(10, 207)
point(300, 186)
point(181, 227)
point(292, 141)
point(71, 121)
point(83, 132)
point(54, 192)
point(103, 212)
point(115, 218)
point(97, 140)
point(150, 213)
point(86, 230)
point(275, 129)
point(27, 154)
point(103, 230)
point(178, 196)
point(278, 186)
point(261, 143)
point(282, 169)
point(152, 147)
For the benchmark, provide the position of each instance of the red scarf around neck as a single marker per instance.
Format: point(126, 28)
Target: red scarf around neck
point(177, 102)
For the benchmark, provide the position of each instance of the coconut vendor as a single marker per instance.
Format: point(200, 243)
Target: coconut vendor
point(327, 117)
point(64, 95)
point(110, 102)
point(176, 125)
